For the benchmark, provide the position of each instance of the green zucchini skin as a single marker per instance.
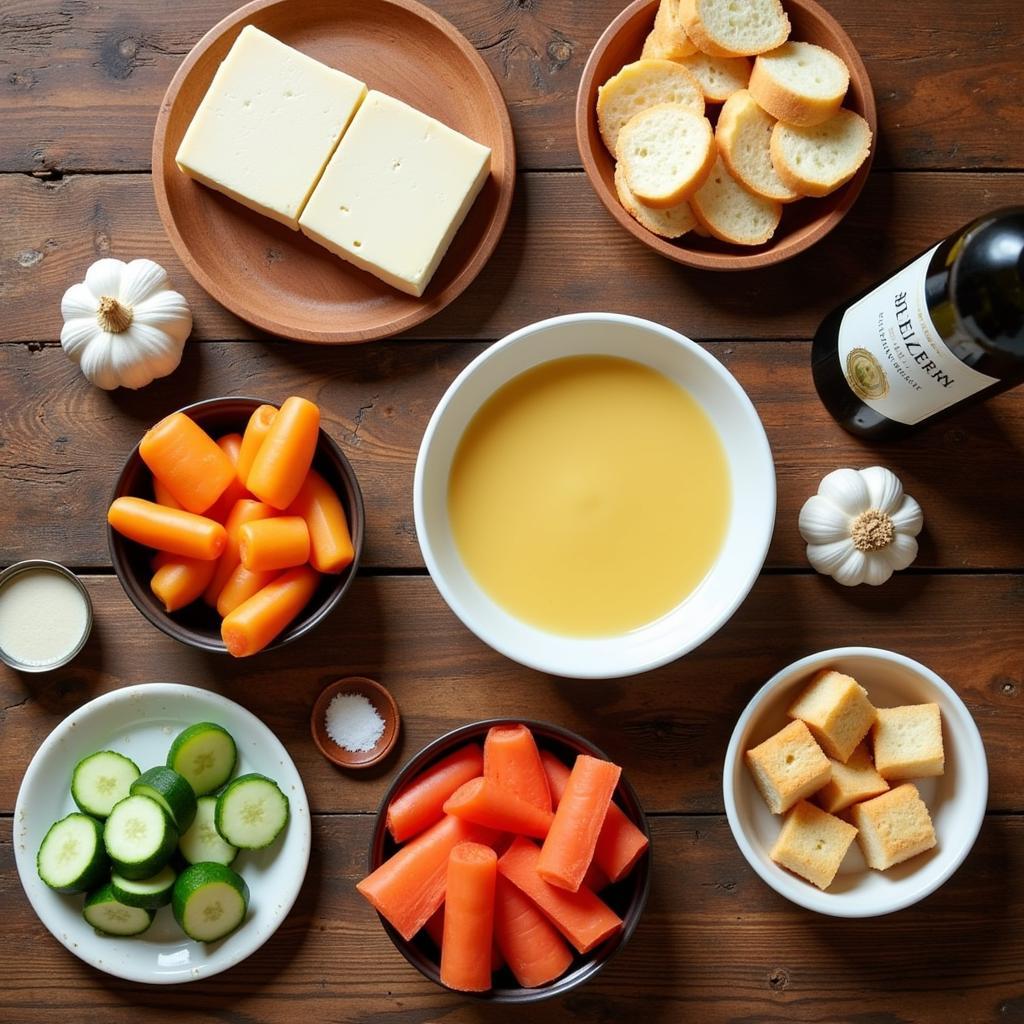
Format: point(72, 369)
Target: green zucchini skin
point(152, 857)
point(172, 791)
point(110, 917)
point(210, 901)
point(205, 754)
point(145, 893)
point(95, 867)
point(235, 816)
point(101, 780)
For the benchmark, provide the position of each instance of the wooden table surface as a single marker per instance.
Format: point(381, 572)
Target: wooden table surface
point(80, 83)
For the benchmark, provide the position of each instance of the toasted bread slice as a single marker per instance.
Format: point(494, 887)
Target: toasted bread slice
point(744, 135)
point(719, 77)
point(816, 161)
point(673, 222)
point(732, 214)
point(666, 153)
point(800, 83)
point(643, 84)
point(720, 30)
point(668, 39)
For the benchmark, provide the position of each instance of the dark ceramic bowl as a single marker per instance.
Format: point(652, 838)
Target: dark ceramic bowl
point(627, 898)
point(198, 625)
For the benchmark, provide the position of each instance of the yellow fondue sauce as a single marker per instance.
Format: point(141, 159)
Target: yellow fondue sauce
point(589, 496)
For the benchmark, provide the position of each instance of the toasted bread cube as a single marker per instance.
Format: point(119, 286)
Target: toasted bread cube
point(837, 711)
point(852, 782)
point(813, 843)
point(908, 742)
point(893, 827)
point(788, 767)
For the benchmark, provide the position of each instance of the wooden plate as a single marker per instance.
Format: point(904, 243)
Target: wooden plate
point(277, 278)
point(803, 223)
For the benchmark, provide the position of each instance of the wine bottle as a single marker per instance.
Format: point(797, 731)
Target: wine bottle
point(945, 330)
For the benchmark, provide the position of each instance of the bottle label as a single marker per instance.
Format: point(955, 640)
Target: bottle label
point(895, 360)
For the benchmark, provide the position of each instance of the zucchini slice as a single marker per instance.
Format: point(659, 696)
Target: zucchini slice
point(101, 780)
point(205, 754)
point(252, 812)
point(210, 901)
point(71, 856)
point(146, 893)
point(171, 791)
point(109, 916)
point(202, 842)
point(139, 837)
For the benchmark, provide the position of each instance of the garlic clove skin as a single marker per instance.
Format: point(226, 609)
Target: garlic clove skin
point(846, 489)
point(902, 551)
point(104, 277)
point(78, 303)
point(140, 280)
point(877, 570)
point(885, 491)
point(821, 522)
point(908, 518)
point(852, 570)
point(828, 558)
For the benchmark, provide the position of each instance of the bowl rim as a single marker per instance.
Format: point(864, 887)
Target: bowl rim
point(814, 899)
point(546, 730)
point(464, 610)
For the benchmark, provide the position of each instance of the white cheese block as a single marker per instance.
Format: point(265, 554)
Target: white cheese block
point(395, 192)
point(268, 124)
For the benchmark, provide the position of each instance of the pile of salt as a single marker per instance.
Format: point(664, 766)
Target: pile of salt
point(353, 722)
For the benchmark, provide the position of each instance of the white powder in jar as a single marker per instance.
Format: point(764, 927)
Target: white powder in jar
point(353, 722)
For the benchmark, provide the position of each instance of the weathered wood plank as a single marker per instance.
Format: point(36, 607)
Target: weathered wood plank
point(669, 728)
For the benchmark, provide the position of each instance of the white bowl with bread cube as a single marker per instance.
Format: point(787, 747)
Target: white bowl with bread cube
point(855, 782)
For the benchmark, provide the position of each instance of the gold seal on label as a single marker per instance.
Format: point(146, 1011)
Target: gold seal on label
point(865, 375)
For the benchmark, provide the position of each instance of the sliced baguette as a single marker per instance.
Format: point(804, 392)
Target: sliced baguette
point(744, 135)
point(718, 28)
point(800, 83)
point(732, 214)
point(668, 39)
point(643, 84)
point(666, 153)
point(719, 77)
point(672, 222)
point(816, 161)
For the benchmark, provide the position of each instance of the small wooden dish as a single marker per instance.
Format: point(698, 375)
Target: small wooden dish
point(386, 708)
point(277, 278)
point(803, 223)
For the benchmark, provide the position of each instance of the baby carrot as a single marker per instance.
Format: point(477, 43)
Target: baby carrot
point(183, 457)
point(179, 581)
point(469, 918)
point(484, 802)
point(240, 586)
point(230, 445)
point(255, 431)
point(435, 929)
point(276, 543)
point(329, 537)
point(167, 529)
point(245, 510)
point(284, 458)
point(569, 846)
point(420, 804)
point(512, 760)
point(532, 948)
point(162, 496)
point(258, 621)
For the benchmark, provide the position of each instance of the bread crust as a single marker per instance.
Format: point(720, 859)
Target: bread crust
point(647, 216)
point(806, 186)
point(725, 135)
point(668, 39)
point(692, 20)
point(705, 220)
point(786, 104)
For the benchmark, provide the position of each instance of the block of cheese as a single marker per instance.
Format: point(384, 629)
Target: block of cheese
point(268, 124)
point(395, 192)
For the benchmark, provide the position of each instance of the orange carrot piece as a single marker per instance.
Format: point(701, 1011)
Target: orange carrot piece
point(178, 581)
point(240, 586)
point(435, 930)
point(410, 885)
point(469, 918)
point(258, 621)
point(533, 949)
point(329, 537)
point(419, 805)
point(187, 461)
point(583, 918)
point(162, 496)
point(284, 458)
point(484, 802)
point(255, 432)
point(512, 760)
point(278, 543)
point(231, 445)
point(167, 529)
point(570, 843)
point(244, 511)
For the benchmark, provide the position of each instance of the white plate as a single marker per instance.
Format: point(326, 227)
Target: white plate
point(140, 722)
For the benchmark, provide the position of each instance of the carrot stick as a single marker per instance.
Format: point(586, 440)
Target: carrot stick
point(583, 918)
point(435, 930)
point(167, 529)
point(512, 760)
point(284, 458)
point(255, 431)
point(187, 461)
point(162, 496)
point(469, 918)
point(273, 543)
point(230, 445)
point(329, 537)
point(179, 581)
point(532, 948)
point(570, 843)
point(410, 885)
point(484, 802)
point(245, 510)
point(420, 803)
point(258, 621)
point(240, 586)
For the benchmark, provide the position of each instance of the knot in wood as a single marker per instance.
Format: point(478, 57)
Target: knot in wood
point(872, 530)
point(778, 979)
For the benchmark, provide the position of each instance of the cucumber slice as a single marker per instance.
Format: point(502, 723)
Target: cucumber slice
point(202, 842)
point(210, 901)
point(147, 893)
point(71, 856)
point(252, 812)
point(139, 837)
point(109, 916)
point(101, 780)
point(171, 791)
point(205, 754)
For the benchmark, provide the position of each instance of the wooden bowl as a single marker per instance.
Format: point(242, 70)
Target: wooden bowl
point(277, 278)
point(198, 625)
point(386, 708)
point(803, 223)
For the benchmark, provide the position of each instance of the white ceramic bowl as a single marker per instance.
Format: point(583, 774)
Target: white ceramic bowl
point(955, 799)
point(746, 540)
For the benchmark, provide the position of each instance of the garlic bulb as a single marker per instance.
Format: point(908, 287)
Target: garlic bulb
point(124, 326)
point(860, 527)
